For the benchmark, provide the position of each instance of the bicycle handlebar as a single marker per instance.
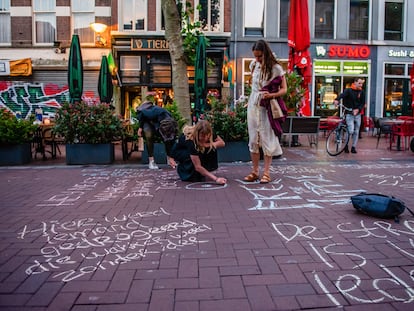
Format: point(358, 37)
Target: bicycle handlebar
point(341, 105)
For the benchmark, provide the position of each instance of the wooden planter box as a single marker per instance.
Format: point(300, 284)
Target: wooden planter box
point(15, 154)
point(234, 151)
point(82, 154)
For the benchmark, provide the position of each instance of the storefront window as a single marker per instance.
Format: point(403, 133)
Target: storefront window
point(254, 17)
point(327, 89)
point(331, 79)
point(130, 67)
point(397, 90)
point(359, 19)
point(393, 20)
point(394, 69)
point(324, 19)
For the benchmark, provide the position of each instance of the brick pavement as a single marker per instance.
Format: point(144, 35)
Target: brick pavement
point(122, 237)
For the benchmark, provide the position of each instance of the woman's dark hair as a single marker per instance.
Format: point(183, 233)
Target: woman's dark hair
point(269, 58)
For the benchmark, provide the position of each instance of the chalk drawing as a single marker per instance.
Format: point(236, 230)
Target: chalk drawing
point(318, 190)
point(125, 183)
point(405, 180)
point(352, 286)
point(80, 247)
point(205, 186)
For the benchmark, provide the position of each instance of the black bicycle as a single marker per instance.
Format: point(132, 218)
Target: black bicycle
point(338, 138)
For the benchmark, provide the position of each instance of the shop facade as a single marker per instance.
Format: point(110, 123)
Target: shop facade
point(334, 69)
point(144, 68)
point(394, 90)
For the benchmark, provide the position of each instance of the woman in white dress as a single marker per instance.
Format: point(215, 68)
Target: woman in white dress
point(265, 69)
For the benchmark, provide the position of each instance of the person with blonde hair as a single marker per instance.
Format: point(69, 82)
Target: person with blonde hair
point(196, 153)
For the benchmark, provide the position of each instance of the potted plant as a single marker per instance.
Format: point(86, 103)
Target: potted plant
point(89, 131)
point(294, 94)
point(293, 99)
point(15, 138)
point(230, 123)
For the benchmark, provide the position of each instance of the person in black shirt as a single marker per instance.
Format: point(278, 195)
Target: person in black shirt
point(353, 98)
point(196, 153)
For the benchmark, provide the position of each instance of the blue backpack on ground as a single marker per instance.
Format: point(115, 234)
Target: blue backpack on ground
point(379, 205)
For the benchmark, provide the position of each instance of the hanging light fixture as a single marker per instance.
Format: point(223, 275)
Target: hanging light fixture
point(99, 28)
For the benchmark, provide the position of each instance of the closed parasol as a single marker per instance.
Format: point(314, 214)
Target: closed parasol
point(299, 43)
point(105, 88)
point(200, 77)
point(75, 70)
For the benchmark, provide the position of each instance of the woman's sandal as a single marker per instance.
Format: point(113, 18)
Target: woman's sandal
point(251, 177)
point(265, 179)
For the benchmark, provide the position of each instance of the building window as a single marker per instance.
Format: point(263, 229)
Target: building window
point(181, 5)
point(324, 19)
point(393, 20)
point(133, 14)
point(253, 18)
point(45, 21)
point(5, 26)
point(83, 16)
point(284, 18)
point(209, 14)
point(359, 19)
point(130, 67)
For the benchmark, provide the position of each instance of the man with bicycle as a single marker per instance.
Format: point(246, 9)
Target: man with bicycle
point(353, 98)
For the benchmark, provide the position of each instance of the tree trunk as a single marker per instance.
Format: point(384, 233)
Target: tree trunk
point(178, 63)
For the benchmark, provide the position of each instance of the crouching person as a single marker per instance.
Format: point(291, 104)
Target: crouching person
point(196, 153)
point(154, 120)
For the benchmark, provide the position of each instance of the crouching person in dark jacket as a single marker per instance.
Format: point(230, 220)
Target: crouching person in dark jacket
point(153, 121)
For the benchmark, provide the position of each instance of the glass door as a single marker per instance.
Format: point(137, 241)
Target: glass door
point(327, 89)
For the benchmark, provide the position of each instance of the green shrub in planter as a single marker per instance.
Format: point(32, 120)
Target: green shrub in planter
point(15, 131)
point(83, 123)
point(230, 123)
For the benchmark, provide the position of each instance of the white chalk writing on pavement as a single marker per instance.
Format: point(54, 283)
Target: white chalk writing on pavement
point(396, 286)
point(76, 248)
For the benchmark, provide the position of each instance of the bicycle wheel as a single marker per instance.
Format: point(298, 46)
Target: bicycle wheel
point(337, 140)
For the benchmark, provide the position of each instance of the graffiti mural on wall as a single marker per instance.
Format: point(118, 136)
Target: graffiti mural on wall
point(26, 97)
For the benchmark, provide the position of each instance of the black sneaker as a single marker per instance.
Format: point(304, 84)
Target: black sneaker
point(346, 150)
point(353, 150)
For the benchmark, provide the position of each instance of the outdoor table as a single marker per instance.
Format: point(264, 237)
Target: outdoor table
point(393, 123)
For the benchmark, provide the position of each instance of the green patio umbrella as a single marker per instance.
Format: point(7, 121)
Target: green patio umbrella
point(75, 71)
point(200, 77)
point(105, 88)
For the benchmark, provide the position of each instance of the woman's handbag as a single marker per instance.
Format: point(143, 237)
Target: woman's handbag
point(276, 110)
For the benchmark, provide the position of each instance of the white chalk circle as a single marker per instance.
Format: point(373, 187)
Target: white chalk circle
point(205, 186)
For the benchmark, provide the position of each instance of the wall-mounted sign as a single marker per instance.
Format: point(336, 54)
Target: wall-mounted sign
point(349, 51)
point(355, 68)
point(321, 67)
point(400, 53)
point(340, 67)
point(344, 51)
point(149, 44)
